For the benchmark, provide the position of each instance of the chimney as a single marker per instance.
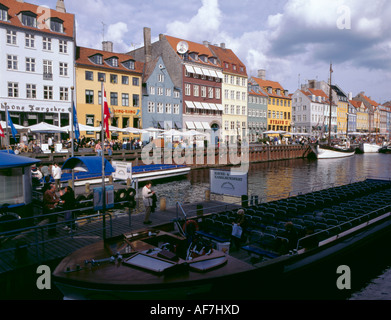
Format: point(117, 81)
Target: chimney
point(222, 45)
point(161, 37)
point(262, 74)
point(60, 6)
point(350, 96)
point(205, 43)
point(107, 46)
point(311, 84)
point(20, 1)
point(147, 44)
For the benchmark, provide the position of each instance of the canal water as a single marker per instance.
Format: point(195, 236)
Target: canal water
point(279, 179)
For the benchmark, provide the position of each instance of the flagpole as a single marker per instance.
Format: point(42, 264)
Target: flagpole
point(72, 136)
point(103, 161)
point(6, 126)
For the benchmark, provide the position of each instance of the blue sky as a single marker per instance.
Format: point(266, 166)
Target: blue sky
point(294, 40)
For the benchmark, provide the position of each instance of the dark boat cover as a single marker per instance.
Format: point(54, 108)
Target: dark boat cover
point(8, 160)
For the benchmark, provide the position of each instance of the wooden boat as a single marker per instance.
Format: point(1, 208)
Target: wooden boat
point(385, 149)
point(165, 262)
point(326, 152)
point(370, 148)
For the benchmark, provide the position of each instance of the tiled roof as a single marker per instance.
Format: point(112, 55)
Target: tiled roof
point(15, 7)
point(272, 84)
point(83, 54)
point(229, 57)
point(369, 100)
point(198, 48)
point(260, 93)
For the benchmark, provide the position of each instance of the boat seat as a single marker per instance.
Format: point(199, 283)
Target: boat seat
point(212, 236)
point(259, 251)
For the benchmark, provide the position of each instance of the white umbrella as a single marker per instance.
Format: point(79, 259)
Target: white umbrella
point(17, 127)
point(172, 132)
point(83, 127)
point(153, 130)
point(135, 130)
point(45, 128)
point(115, 129)
point(192, 133)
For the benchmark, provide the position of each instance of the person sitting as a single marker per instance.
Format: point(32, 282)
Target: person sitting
point(237, 237)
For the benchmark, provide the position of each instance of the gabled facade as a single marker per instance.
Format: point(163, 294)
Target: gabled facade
point(362, 123)
point(161, 100)
point(373, 114)
point(279, 104)
point(122, 80)
point(343, 106)
point(37, 65)
point(234, 94)
point(257, 112)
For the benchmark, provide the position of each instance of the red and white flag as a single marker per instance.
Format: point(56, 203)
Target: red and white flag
point(106, 113)
point(1, 131)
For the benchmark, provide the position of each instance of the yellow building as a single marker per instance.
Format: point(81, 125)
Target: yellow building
point(122, 79)
point(362, 123)
point(342, 109)
point(279, 110)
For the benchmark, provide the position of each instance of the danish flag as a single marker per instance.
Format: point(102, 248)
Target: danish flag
point(106, 113)
point(1, 131)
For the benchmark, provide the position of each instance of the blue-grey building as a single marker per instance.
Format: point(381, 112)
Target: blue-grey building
point(257, 112)
point(161, 103)
point(352, 118)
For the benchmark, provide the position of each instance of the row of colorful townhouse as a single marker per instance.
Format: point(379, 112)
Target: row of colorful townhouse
point(169, 84)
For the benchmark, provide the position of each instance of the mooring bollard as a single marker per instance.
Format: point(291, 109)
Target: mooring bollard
point(207, 195)
point(87, 188)
point(162, 204)
point(128, 182)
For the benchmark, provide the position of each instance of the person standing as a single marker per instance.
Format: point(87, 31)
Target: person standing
point(56, 174)
point(68, 204)
point(50, 202)
point(147, 194)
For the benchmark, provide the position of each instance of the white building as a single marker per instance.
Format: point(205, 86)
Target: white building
point(311, 112)
point(37, 62)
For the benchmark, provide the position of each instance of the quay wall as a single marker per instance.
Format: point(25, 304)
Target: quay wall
point(203, 159)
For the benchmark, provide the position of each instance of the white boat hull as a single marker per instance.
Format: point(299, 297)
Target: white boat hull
point(370, 148)
point(331, 154)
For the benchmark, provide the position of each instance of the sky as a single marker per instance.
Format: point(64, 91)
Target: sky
point(293, 40)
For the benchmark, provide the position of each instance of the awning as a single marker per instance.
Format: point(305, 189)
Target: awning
point(189, 69)
point(213, 106)
point(198, 125)
point(8, 160)
point(220, 74)
point(206, 72)
point(161, 125)
point(206, 106)
point(199, 105)
point(178, 125)
point(88, 164)
point(220, 107)
point(190, 125)
point(190, 105)
point(206, 126)
point(213, 73)
point(198, 71)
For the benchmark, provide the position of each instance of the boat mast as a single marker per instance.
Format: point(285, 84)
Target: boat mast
point(331, 103)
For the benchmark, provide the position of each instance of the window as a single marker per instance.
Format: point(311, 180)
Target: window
point(63, 94)
point(136, 81)
point(11, 37)
point(176, 108)
point(159, 91)
point(125, 100)
point(13, 89)
point(31, 91)
point(237, 109)
point(30, 64)
point(159, 108)
point(113, 78)
point(47, 44)
point(196, 90)
point(56, 25)
point(243, 110)
point(63, 46)
point(218, 93)
point(161, 77)
point(29, 19)
point(89, 97)
point(210, 93)
point(151, 107)
point(30, 40)
point(187, 89)
point(129, 64)
point(232, 109)
point(47, 69)
point(226, 109)
point(203, 92)
point(48, 92)
point(136, 100)
point(89, 75)
point(63, 69)
point(125, 80)
point(176, 94)
point(97, 59)
point(168, 92)
point(232, 125)
point(12, 62)
point(226, 125)
point(114, 98)
point(3, 13)
point(101, 76)
point(152, 90)
point(113, 62)
point(168, 108)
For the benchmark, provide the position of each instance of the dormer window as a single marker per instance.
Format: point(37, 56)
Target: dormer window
point(3, 13)
point(57, 25)
point(129, 64)
point(204, 58)
point(194, 56)
point(112, 62)
point(213, 60)
point(97, 59)
point(29, 19)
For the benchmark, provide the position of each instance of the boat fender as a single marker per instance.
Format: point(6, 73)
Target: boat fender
point(9, 216)
point(131, 193)
point(191, 226)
